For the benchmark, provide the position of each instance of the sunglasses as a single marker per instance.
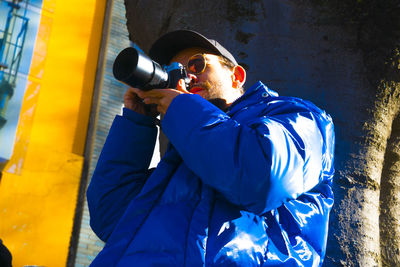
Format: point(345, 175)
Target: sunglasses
point(197, 64)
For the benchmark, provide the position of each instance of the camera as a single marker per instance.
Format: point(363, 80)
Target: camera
point(136, 69)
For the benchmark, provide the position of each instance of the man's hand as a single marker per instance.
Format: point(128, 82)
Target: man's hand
point(162, 98)
point(135, 103)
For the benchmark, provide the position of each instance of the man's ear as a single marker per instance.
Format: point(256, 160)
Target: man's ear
point(238, 76)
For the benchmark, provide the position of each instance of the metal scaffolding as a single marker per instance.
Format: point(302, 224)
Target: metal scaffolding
point(12, 39)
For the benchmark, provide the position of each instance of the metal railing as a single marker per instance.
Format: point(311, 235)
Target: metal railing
point(12, 40)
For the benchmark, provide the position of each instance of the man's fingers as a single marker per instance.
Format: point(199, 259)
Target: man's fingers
point(135, 91)
point(182, 86)
point(162, 98)
point(161, 92)
point(150, 93)
point(151, 100)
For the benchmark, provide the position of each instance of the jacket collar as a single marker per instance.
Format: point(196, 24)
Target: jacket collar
point(253, 95)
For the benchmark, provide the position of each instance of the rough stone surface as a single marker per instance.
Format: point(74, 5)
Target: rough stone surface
point(390, 200)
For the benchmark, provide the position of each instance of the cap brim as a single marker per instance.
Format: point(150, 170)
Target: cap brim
point(171, 43)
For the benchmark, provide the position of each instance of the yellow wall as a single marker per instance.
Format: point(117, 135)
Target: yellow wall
point(39, 187)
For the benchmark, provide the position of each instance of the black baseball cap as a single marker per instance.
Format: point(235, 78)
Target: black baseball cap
point(171, 43)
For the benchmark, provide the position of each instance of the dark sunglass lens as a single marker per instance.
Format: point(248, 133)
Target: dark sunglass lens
point(196, 64)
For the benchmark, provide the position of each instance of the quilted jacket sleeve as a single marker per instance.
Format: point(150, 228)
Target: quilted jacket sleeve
point(121, 171)
point(284, 150)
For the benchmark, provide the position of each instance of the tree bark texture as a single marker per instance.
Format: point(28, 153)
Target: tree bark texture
point(344, 57)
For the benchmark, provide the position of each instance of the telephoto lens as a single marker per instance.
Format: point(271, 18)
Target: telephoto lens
point(135, 69)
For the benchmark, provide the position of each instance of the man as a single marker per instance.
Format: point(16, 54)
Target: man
point(247, 183)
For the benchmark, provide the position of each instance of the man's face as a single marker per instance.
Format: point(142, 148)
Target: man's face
point(215, 82)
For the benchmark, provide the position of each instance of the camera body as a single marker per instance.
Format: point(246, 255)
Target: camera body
point(136, 69)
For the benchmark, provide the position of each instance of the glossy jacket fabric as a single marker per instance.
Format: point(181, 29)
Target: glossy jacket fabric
point(250, 187)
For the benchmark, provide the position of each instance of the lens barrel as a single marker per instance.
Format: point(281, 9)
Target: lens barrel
point(137, 70)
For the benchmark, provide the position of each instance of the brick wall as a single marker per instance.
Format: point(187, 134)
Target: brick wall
point(109, 104)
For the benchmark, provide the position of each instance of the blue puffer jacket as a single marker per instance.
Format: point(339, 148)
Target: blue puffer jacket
point(250, 187)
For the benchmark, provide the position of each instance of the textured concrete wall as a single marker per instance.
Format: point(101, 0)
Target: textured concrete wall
point(303, 49)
